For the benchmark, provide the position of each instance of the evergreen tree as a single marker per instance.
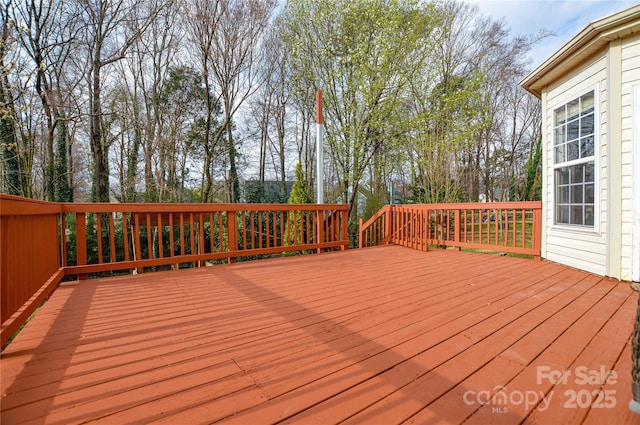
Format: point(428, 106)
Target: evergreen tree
point(62, 189)
point(12, 180)
point(295, 232)
point(300, 191)
point(534, 174)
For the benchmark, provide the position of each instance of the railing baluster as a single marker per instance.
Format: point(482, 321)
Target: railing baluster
point(232, 228)
point(160, 242)
point(488, 226)
point(320, 227)
point(125, 236)
point(81, 242)
point(201, 242)
point(182, 241)
point(524, 226)
point(496, 224)
point(515, 227)
point(149, 237)
point(63, 239)
point(456, 227)
point(244, 230)
point(267, 229)
point(99, 236)
point(212, 245)
point(136, 238)
point(221, 239)
point(112, 237)
point(307, 229)
point(345, 229)
point(171, 236)
point(253, 229)
point(192, 234)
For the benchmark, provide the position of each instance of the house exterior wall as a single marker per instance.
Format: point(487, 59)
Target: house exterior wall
point(581, 248)
point(608, 248)
point(630, 143)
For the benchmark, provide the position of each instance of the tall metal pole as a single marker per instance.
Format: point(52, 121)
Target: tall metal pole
point(319, 149)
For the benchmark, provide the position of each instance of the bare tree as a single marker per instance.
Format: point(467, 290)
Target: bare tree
point(234, 63)
point(46, 35)
point(108, 34)
point(202, 18)
point(270, 109)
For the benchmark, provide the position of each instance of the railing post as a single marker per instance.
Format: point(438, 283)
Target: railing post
point(345, 229)
point(537, 232)
point(390, 221)
point(320, 227)
point(456, 229)
point(81, 242)
point(360, 233)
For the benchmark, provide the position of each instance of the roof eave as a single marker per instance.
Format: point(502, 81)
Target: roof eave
point(591, 39)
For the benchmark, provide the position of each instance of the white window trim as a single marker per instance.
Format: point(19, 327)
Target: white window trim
point(574, 94)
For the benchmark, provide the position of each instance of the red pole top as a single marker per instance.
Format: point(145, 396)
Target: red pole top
point(319, 119)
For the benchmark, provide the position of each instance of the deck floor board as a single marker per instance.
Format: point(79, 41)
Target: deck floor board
point(380, 335)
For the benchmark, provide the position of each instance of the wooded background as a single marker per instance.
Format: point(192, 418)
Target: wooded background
point(213, 101)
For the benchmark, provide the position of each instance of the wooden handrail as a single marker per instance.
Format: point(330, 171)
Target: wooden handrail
point(41, 242)
point(375, 231)
point(496, 226)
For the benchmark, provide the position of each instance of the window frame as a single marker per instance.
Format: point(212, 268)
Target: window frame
point(594, 159)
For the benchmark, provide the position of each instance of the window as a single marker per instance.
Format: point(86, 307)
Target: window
point(574, 161)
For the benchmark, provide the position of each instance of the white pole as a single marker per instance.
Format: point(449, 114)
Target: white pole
point(319, 149)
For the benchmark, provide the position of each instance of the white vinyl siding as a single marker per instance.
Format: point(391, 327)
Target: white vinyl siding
point(582, 247)
point(630, 78)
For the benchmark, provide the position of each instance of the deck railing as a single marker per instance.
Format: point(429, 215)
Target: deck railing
point(41, 242)
point(499, 226)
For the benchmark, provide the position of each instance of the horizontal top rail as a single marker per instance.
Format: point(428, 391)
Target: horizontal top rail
point(15, 205)
point(193, 208)
point(474, 205)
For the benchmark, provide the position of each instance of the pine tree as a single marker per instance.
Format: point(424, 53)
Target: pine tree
point(534, 174)
point(300, 191)
point(295, 232)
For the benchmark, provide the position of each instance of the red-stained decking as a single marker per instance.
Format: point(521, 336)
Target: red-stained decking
point(379, 335)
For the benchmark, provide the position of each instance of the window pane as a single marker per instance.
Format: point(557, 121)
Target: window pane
point(573, 109)
point(576, 214)
point(573, 150)
point(574, 140)
point(572, 130)
point(586, 147)
point(561, 116)
point(589, 172)
point(562, 214)
point(587, 102)
point(589, 197)
point(560, 135)
point(563, 195)
point(586, 125)
point(576, 194)
point(576, 174)
point(588, 216)
point(560, 153)
point(562, 175)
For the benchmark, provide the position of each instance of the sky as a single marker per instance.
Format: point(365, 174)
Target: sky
point(565, 18)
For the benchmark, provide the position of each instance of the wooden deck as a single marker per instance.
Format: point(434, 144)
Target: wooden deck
point(380, 335)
